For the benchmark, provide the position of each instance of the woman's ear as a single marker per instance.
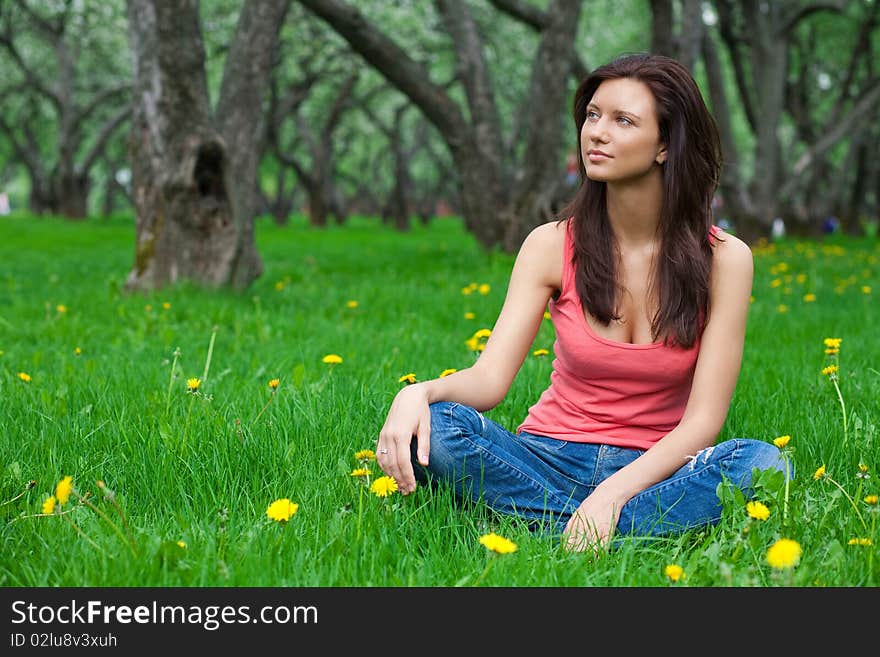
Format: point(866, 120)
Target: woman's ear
point(661, 156)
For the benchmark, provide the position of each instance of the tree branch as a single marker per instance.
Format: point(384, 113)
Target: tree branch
point(100, 144)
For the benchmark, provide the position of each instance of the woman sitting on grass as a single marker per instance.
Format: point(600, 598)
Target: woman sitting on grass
point(649, 302)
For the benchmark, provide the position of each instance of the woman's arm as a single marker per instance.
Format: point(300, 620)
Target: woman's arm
point(537, 273)
point(715, 377)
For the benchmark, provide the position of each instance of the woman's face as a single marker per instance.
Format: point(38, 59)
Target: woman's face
point(620, 138)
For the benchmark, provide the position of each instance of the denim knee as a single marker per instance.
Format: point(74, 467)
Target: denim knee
point(453, 420)
point(450, 422)
point(749, 454)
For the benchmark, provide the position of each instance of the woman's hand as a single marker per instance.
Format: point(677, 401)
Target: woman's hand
point(409, 416)
point(593, 524)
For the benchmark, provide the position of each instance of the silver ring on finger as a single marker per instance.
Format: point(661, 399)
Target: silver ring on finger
point(383, 451)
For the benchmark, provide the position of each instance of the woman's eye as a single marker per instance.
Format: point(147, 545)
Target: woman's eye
point(592, 115)
point(624, 120)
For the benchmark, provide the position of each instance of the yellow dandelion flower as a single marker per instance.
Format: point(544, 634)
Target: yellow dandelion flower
point(674, 572)
point(383, 486)
point(332, 359)
point(360, 472)
point(497, 544)
point(831, 369)
point(470, 315)
point(751, 298)
point(782, 441)
point(279, 285)
point(866, 289)
point(193, 384)
point(466, 290)
point(782, 308)
point(351, 303)
point(281, 510)
point(834, 343)
point(546, 315)
point(273, 383)
point(49, 505)
point(409, 378)
point(474, 344)
point(61, 308)
point(757, 510)
point(484, 289)
point(819, 473)
point(181, 545)
point(77, 351)
point(866, 542)
point(784, 553)
point(166, 306)
point(775, 282)
point(62, 490)
point(448, 371)
point(809, 297)
point(871, 499)
point(832, 352)
point(483, 333)
point(863, 472)
point(24, 377)
point(365, 455)
point(540, 352)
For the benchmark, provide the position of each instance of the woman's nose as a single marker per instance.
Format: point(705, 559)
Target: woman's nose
point(595, 130)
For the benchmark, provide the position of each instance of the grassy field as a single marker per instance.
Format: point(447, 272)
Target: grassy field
point(171, 488)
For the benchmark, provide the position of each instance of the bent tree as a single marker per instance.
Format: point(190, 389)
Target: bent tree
point(502, 196)
point(193, 167)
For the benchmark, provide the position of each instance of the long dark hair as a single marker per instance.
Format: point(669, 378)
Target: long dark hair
point(690, 176)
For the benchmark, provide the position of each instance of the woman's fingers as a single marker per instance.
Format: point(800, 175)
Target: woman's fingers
point(423, 449)
point(406, 480)
point(393, 456)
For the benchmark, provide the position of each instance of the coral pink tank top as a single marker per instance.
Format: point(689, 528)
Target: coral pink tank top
point(602, 391)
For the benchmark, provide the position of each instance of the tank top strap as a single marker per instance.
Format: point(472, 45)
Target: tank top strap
point(568, 284)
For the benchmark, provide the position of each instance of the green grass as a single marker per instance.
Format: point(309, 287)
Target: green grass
point(116, 412)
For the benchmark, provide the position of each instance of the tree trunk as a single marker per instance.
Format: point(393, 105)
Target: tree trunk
point(193, 178)
point(184, 226)
point(71, 193)
point(240, 116)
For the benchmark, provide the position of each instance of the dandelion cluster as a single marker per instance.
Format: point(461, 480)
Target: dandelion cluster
point(482, 288)
point(757, 510)
point(477, 342)
point(784, 553)
point(674, 572)
point(497, 544)
point(282, 510)
point(383, 486)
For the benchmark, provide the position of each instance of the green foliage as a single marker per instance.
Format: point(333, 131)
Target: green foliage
point(107, 400)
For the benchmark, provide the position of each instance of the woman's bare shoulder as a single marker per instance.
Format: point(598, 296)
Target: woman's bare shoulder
point(544, 248)
point(550, 235)
point(731, 253)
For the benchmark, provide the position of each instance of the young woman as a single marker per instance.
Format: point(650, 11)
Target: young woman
point(649, 302)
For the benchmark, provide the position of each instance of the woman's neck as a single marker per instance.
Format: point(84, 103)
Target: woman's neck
point(634, 210)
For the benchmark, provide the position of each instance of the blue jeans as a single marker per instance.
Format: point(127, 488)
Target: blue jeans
point(544, 480)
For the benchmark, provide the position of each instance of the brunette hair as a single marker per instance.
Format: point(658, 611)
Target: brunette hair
point(690, 176)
